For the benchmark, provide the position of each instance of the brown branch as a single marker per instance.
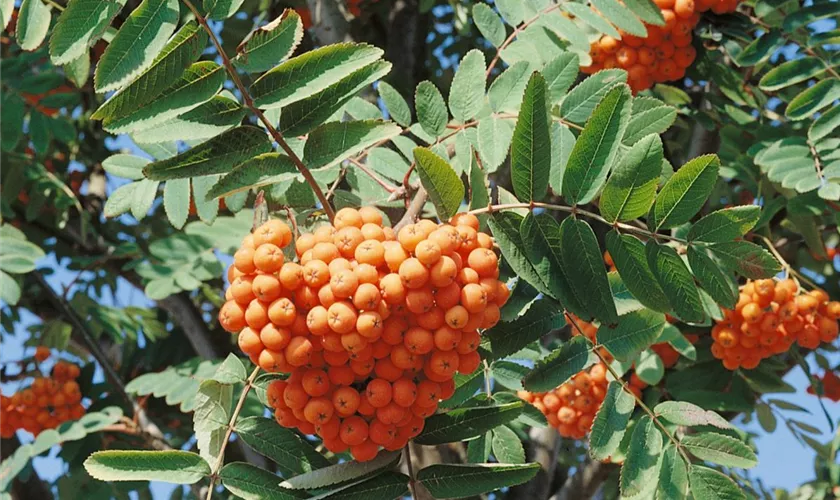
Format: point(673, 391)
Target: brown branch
point(414, 209)
point(249, 103)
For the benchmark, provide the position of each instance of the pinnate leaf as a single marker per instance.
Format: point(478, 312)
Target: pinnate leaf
point(584, 263)
point(747, 259)
point(673, 478)
point(136, 44)
point(676, 281)
point(173, 466)
point(596, 147)
point(530, 155)
point(269, 45)
point(641, 467)
point(292, 454)
point(441, 182)
point(33, 23)
point(720, 449)
point(465, 423)
point(397, 107)
point(689, 414)
point(431, 108)
point(505, 339)
point(252, 483)
point(489, 24)
point(710, 484)
point(559, 366)
point(628, 255)
point(725, 224)
point(610, 421)
point(631, 188)
point(466, 95)
point(81, 24)
point(459, 481)
point(635, 332)
point(338, 473)
point(216, 156)
point(685, 192)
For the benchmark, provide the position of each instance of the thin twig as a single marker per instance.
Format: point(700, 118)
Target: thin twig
point(361, 166)
point(790, 269)
point(414, 209)
point(249, 103)
point(410, 466)
point(487, 388)
point(239, 404)
point(574, 210)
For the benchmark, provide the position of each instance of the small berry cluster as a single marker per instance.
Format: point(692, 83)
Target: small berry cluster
point(665, 53)
point(831, 386)
point(768, 318)
point(372, 326)
point(45, 404)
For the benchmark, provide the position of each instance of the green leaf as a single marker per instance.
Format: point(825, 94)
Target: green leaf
point(688, 414)
point(136, 44)
point(489, 24)
point(125, 165)
point(650, 116)
point(721, 287)
point(620, 16)
point(78, 70)
point(631, 188)
point(385, 486)
point(559, 366)
point(252, 483)
point(560, 74)
point(635, 332)
point(593, 19)
point(79, 27)
point(562, 142)
point(174, 466)
point(231, 371)
point(720, 449)
point(585, 267)
point(431, 108)
point(7, 8)
point(824, 125)
point(673, 478)
point(204, 122)
point(176, 201)
point(530, 156)
point(725, 224)
point(766, 417)
point(676, 281)
point(167, 68)
point(760, 49)
point(217, 156)
point(506, 230)
point(289, 451)
point(11, 120)
point(581, 101)
point(540, 235)
point(397, 107)
point(494, 137)
point(813, 99)
point(465, 423)
point(197, 85)
point(9, 289)
point(505, 93)
point(442, 183)
point(747, 259)
point(710, 484)
point(460, 481)
point(33, 22)
point(791, 72)
point(596, 147)
point(269, 45)
point(628, 254)
point(685, 193)
point(303, 116)
point(649, 367)
point(505, 339)
point(339, 473)
point(610, 421)
point(312, 73)
point(647, 11)
point(334, 142)
point(466, 95)
point(641, 467)
point(221, 9)
point(507, 448)
point(479, 187)
point(478, 449)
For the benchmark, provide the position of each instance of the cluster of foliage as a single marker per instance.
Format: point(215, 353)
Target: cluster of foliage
point(240, 131)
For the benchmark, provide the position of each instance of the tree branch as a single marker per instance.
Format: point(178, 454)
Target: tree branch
point(586, 482)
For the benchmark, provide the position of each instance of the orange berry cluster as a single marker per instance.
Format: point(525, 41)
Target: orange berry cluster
point(45, 404)
point(665, 53)
point(831, 386)
point(371, 325)
point(768, 318)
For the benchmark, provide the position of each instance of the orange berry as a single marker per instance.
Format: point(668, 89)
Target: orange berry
point(268, 258)
point(354, 431)
point(256, 314)
point(392, 289)
point(348, 217)
point(232, 316)
point(684, 8)
point(299, 351)
point(473, 298)
point(243, 260)
point(42, 353)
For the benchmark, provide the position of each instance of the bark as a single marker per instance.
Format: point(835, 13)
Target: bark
point(401, 47)
point(542, 449)
point(329, 21)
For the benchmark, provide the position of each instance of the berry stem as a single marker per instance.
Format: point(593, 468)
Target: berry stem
point(249, 103)
point(624, 387)
point(410, 467)
point(214, 473)
point(790, 269)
